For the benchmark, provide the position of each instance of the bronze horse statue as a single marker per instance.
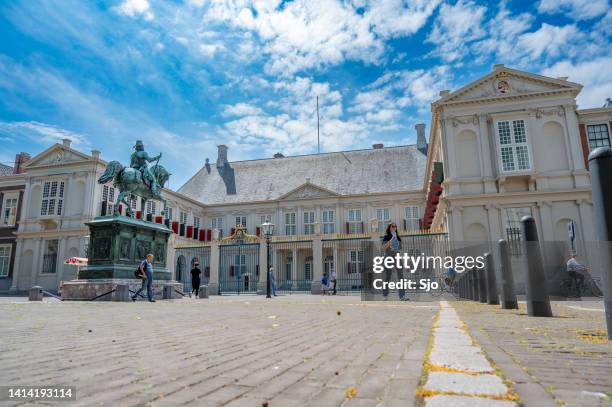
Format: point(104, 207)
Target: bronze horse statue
point(129, 181)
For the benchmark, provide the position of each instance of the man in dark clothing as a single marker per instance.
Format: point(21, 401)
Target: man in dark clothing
point(392, 244)
point(146, 272)
point(195, 279)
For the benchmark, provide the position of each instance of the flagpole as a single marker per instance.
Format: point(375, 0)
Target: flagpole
point(318, 137)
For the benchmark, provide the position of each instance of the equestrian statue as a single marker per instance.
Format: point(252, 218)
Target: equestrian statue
point(139, 179)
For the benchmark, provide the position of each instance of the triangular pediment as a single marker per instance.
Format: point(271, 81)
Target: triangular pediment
point(308, 191)
point(505, 83)
point(57, 154)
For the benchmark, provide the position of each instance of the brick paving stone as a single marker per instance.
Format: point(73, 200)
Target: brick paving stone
point(486, 384)
point(549, 351)
point(461, 401)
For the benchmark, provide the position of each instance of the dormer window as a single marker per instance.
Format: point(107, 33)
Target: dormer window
point(513, 146)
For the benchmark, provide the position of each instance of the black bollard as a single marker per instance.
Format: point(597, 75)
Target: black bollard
point(492, 298)
point(482, 285)
point(538, 304)
point(600, 169)
point(508, 295)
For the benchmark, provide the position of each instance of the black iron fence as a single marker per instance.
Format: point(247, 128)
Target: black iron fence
point(293, 265)
point(238, 268)
point(185, 261)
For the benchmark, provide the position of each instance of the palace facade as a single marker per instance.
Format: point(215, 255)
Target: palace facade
point(507, 145)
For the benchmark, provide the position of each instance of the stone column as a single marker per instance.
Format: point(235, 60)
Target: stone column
point(213, 281)
point(36, 261)
point(294, 264)
point(16, 266)
point(581, 177)
point(494, 222)
point(61, 254)
point(317, 264)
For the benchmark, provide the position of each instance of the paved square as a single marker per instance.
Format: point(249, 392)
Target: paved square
point(239, 351)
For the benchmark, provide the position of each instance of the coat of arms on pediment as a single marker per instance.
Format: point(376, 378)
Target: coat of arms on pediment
point(55, 155)
point(508, 83)
point(308, 191)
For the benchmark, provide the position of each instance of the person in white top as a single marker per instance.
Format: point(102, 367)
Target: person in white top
point(576, 270)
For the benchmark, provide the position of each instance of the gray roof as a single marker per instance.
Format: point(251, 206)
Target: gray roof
point(5, 170)
point(389, 169)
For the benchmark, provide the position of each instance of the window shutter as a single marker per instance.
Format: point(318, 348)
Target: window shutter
point(349, 268)
point(231, 271)
point(347, 227)
point(405, 225)
point(584, 142)
point(257, 270)
point(207, 272)
point(362, 229)
point(103, 210)
point(209, 235)
point(257, 230)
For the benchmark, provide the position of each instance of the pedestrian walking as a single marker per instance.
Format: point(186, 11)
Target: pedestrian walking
point(195, 279)
point(392, 244)
point(146, 273)
point(272, 279)
point(324, 284)
point(333, 282)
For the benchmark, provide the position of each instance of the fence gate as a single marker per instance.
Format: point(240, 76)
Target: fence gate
point(186, 258)
point(238, 268)
point(293, 266)
point(348, 258)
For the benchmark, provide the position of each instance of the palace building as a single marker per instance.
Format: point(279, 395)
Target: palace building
point(507, 145)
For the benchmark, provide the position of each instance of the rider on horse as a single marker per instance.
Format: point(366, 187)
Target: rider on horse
point(140, 160)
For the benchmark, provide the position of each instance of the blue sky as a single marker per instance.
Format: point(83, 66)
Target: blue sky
point(186, 75)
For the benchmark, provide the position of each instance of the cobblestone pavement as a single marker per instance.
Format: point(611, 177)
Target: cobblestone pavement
point(303, 350)
point(567, 356)
point(236, 351)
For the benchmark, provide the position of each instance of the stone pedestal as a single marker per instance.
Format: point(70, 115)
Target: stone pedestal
point(36, 293)
point(203, 292)
point(117, 245)
point(122, 293)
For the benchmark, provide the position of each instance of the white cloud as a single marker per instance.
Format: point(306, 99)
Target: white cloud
point(549, 40)
point(42, 133)
point(455, 27)
point(308, 34)
point(136, 8)
point(575, 9)
point(242, 109)
point(593, 74)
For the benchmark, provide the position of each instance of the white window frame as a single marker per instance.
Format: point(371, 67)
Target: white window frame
point(328, 221)
point(513, 145)
point(5, 259)
point(355, 222)
point(53, 203)
point(169, 213)
point(217, 222)
point(411, 214)
point(183, 217)
point(290, 223)
point(607, 126)
point(151, 207)
point(196, 222)
point(108, 196)
point(309, 217)
point(8, 216)
point(265, 218)
point(356, 259)
point(241, 220)
point(382, 219)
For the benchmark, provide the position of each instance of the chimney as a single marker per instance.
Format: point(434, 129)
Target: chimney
point(421, 139)
point(608, 102)
point(66, 142)
point(444, 92)
point(221, 156)
point(498, 66)
point(95, 154)
point(20, 160)
point(279, 155)
point(377, 146)
point(207, 165)
point(562, 78)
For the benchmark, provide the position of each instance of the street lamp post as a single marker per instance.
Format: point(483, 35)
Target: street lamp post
point(268, 231)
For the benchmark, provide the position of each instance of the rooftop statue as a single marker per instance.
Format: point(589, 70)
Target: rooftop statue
point(138, 179)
